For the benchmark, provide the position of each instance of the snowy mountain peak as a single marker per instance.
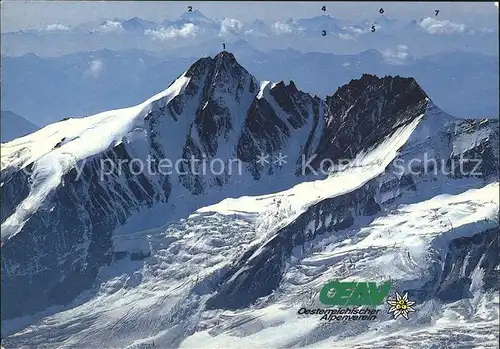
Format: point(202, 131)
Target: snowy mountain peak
point(135, 19)
point(136, 24)
point(225, 56)
point(221, 73)
point(195, 16)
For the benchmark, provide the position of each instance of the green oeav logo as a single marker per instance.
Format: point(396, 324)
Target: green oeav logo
point(354, 293)
point(351, 297)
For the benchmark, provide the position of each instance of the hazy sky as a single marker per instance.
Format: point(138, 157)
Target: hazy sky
point(18, 15)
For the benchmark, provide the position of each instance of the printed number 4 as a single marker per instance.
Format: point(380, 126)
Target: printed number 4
point(323, 8)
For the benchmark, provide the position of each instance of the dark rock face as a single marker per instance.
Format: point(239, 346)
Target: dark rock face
point(365, 111)
point(481, 160)
point(15, 190)
point(261, 123)
point(259, 275)
point(453, 276)
point(293, 102)
point(213, 119)
point(59, 250)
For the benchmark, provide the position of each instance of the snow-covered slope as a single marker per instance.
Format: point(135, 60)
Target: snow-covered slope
point(13, 126)
point(115, 259)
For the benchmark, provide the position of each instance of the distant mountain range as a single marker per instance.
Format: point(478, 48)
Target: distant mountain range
point(44, 90)
point(14, 126)
point(322, 33)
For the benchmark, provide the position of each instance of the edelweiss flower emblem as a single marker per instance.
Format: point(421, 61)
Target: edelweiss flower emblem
point(400, 306)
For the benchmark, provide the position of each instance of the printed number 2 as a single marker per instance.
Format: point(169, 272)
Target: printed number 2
point(190, 8)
